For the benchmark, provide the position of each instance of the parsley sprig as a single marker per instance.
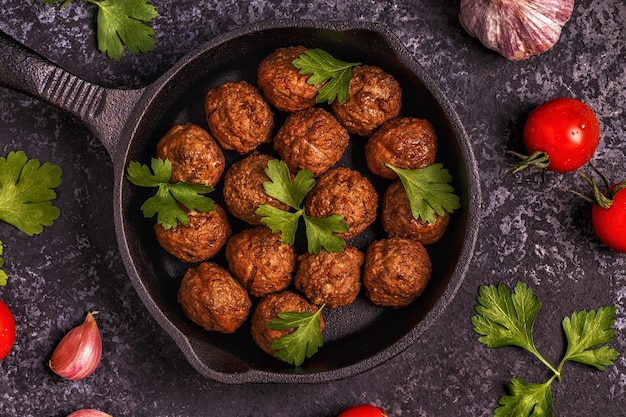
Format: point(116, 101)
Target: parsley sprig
point(301, 343)
point(429, 191)
point(506, 318)
point(165, 204)
point(26, 194)
point(320, 231)
point(120, 23)
point(322, 67)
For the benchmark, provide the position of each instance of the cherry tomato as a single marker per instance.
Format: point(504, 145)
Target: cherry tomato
point(566, 129)
point(7, 330)
point(610, 223)
point(363, 410)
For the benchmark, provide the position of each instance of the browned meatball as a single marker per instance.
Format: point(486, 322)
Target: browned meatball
point(200, 240)
point(333, 278)
point(281, 82)
point(408, 142)
point(243, 188)
point(259, 261)
point(196, 157)
point(397, 219)
point(268, 309)
point(344, 191)
point(238, 116)
point(396, 271)
point(213, 299)
point(311, 139)
point(374, 96)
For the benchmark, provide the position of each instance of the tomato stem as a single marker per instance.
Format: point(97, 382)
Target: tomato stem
point(603, 198)
point(538, 160)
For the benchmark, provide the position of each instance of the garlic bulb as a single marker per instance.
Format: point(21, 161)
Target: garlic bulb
point(516, 29)
point(89, 412)
point(78, 354)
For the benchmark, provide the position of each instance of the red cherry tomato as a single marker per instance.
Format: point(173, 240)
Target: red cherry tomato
point(7, 330)
point(363, 410)
point(566, 129)
point(610, 223)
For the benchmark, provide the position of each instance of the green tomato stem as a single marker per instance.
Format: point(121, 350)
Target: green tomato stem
point(538, 160)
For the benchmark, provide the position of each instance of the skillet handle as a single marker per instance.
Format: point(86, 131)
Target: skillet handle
point(104, 111)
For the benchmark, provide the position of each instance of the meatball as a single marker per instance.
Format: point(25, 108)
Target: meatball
point(243, 188)
point(397, 219)
point(259, 261)
point(268, 309)
point(238, 116)
point(281, 82)
point(196, 157)
point(407, 142)
point(396, 271)
point(213, 299)
point(374, 97)
point(344, 191)
point(311, 139)
point(200, 240)
point(333, 278)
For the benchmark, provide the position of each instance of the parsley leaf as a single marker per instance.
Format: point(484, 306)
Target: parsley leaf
point(119, 23)
point(322, 67)
point(320, 232)
point(27, 191)
point(506, 319)
point(281, 221)
point(3, 275)
point(303, 342)
point(526, 400)
point(281, 186)
point(429, 191)
point(586, 330)
point(165, 203)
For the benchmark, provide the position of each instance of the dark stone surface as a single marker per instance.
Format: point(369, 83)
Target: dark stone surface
point(530, 231)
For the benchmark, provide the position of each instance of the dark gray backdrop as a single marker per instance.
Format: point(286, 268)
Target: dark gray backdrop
point(529, 231)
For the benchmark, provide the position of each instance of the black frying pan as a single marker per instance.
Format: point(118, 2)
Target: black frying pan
point(130, 122)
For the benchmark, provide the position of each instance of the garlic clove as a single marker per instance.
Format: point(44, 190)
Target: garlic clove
point(78, 353)
point(89, 412)
point(516, 29)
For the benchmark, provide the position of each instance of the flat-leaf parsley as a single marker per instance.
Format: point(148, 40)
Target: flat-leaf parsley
point(119, 23)
point(26, 194)
point(526, 399)
point(429, 191)
point(301, 343)
point(166, 202)
point(323, 67)
point(27, 191)
point(506, 319)
point(320, 232)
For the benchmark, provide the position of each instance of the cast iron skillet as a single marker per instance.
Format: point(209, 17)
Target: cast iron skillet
point(130, 122)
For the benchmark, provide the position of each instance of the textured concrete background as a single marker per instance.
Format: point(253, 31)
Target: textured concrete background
point(530, 231)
